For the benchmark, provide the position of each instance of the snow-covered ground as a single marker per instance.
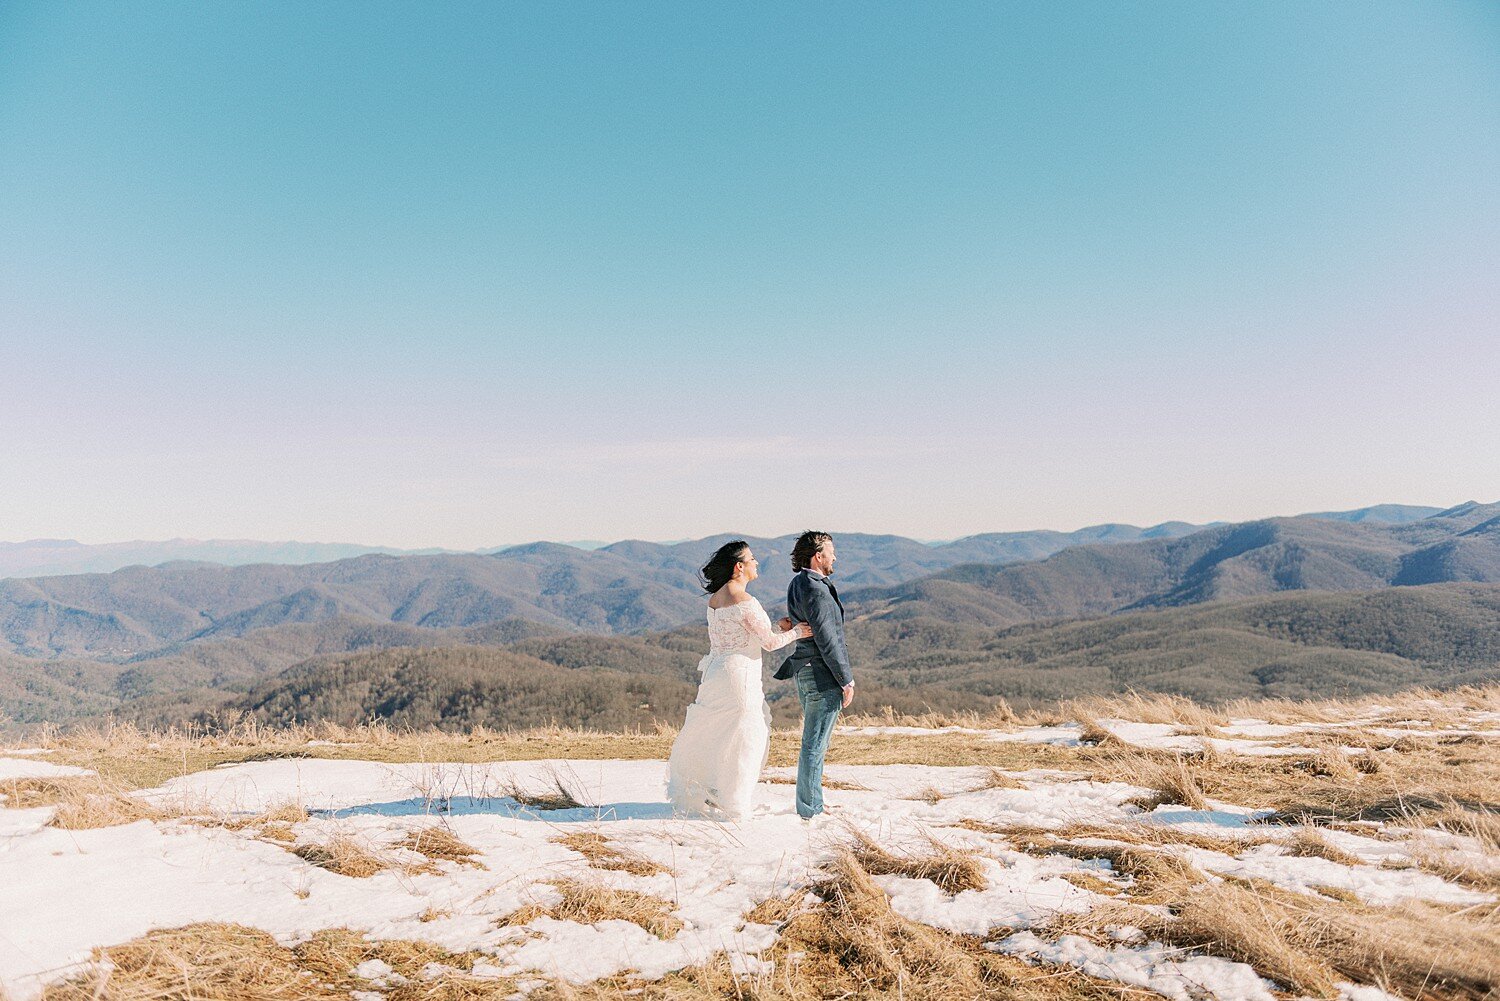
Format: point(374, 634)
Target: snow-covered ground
point(65, 892)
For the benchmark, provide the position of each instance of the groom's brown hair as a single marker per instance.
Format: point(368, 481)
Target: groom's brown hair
point(806, 547)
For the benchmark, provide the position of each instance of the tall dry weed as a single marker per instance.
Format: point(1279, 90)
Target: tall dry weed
point(1169, 777)
point(1307, 942)
point(83, 802)
point(1146, 708)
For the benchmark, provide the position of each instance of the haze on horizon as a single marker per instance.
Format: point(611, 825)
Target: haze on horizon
point(487, 274)
point(598, 543)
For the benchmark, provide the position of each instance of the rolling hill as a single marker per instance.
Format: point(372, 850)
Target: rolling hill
point(622, 588)
point(171, 642)
point(1293, 645)
point(1229, 561)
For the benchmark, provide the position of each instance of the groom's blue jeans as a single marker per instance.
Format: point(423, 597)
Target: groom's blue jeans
point(820, 711)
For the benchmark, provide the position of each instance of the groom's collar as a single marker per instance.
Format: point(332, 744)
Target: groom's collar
point(814, 574)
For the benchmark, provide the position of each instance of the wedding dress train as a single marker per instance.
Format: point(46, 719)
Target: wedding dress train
point(718, 756)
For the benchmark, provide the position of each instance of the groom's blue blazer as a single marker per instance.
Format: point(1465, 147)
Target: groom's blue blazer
point(813, 599)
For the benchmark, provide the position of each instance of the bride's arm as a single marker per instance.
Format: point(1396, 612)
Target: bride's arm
point(759, 624)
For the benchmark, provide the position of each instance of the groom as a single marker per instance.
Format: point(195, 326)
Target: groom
point(825, 684)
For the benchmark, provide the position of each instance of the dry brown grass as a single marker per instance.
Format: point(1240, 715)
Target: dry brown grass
point(345, 856)
point(998, 716)
point(854, 945)
point(275, 823)
point(281, 834)
point(1332, 763)
point(589, 903)
point(828, 783)
point(1136, 850)
point(1309, 942)
point(1229, 921)
point(83, 802)
point(1092, 883)
point(1145, 708)
point(1154, 874)
point(226, 962)
point(214, 962)
point(331, 956)
point(841, 784)
point(1307, 843)
point(994, 778)
point(1481, 823)
point(1091, 731)
point(931, 795)
point(1170, 778)
point(284, 813)
point(1413, 703)
point(1420, 951)
point(851, 944)
point(441, 845)
point(777, 910)
point(601, 853)
point(556, 794)
point(951, 869)
point(1338, 893)
point(140, 758)
point(1481, 875)
point(1159, 835)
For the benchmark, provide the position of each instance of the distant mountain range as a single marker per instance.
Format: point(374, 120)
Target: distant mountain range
point(164, 643)
point(1228, 561)
point(623, 587)
point(1291, 645)
point(52, 557)
point(49, 557)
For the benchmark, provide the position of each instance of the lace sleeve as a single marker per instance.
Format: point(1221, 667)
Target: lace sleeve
point(758, 624)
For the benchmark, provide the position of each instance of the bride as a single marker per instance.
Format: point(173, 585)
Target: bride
point(717, 758)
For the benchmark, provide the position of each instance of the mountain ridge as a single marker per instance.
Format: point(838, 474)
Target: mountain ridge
point(54, 557)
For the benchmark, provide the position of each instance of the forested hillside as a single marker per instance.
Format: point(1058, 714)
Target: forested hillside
point(179, 641)
point(1230, 561)
point(1302, 645)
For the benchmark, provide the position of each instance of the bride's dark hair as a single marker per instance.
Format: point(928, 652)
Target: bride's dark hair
point(720, 566)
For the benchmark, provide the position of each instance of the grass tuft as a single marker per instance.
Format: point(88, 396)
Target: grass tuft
point(589, 903)
point(931, 795)
point(951, 869)
point(1091, 731)
point(1308, 843)
point(994, 778)
point(343, 855)
point(211, 961)
point(776, 910)
point(1168, 776)
point(557, 794)
point(441, 845)
point(602, 854)
point(83, 802)
point(1230, 921)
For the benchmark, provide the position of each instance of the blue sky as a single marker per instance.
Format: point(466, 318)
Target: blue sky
point(474, 274)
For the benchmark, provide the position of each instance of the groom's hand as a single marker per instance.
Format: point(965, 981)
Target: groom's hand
point(848, 695)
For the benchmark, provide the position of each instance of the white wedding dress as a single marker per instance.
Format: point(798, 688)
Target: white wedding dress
point(717, 758)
